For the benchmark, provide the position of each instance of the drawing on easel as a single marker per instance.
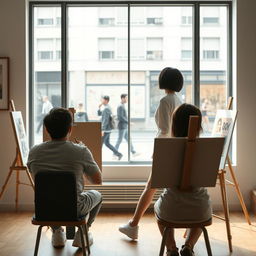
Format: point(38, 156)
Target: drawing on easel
point(223, 127)
point(20, 135)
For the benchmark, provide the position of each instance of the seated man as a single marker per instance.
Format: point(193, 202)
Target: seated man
point(60, 154)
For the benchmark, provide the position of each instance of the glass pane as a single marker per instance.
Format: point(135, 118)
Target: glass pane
point(213, 65)
point(158, 43)
point(97, 66)
point(47, 65)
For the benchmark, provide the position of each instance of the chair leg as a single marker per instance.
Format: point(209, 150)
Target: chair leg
point(165, 235)
point(38, 240)
point(82, 240)
point(87, 238)
point(207, 242)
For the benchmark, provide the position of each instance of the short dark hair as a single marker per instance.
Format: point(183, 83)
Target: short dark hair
point(170, 78)
point(105, 97)
point(123, 95)
point(58, 122)
point(180, 119)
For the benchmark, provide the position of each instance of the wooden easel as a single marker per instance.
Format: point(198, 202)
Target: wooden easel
point(189, 152)
point(17, 166)
point(223, 181)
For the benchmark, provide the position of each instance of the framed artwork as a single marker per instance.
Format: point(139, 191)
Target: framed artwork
point(4, 83)
point(20, 135)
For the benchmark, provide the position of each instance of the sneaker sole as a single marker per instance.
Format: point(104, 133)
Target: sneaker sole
point(132, 237)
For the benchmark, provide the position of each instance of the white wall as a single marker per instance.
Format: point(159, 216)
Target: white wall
point(12, 44)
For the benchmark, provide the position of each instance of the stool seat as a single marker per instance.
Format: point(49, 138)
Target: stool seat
point(58, 223)
point(183, 224)
point(168, 225)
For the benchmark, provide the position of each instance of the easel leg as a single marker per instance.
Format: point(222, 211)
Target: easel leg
point(17, 189)
point(30, 179)
point(239, 194)
point(225, 207)
point(6, 181)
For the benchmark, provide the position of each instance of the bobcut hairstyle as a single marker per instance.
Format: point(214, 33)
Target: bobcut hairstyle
point(58, 122)
point(180, 119)
point(171, 79)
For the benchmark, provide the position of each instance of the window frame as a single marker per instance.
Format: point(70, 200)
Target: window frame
point(64, 71)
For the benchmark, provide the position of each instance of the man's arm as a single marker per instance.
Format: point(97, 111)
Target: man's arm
point(95, 178)
point(92, 171)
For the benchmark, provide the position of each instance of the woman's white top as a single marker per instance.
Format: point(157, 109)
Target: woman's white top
point(163, 115)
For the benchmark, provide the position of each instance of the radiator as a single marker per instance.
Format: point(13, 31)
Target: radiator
point(121, 193)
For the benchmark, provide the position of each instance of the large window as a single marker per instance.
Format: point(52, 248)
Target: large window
point(81, 53)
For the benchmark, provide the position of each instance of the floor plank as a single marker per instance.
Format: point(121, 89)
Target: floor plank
point(17, 237)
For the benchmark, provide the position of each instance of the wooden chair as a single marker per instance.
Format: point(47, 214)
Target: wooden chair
point(169, 225)
point(56, 204)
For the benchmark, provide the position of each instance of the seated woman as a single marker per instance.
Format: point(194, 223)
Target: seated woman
point(175, 205)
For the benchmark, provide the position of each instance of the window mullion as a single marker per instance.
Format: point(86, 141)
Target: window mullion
point(196, 54)
point(230, 50)
point(129, 79)
point(64, 85)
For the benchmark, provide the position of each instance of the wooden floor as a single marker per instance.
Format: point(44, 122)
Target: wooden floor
point(17, 237)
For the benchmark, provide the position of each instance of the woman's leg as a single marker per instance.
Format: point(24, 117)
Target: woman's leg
point(192, 236)
point(143, 204)
point(131, 228)
point(170, 241)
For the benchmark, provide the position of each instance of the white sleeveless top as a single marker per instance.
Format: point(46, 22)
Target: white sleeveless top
point(163, 115)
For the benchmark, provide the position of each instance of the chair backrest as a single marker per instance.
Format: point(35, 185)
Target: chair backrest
point(55, 196)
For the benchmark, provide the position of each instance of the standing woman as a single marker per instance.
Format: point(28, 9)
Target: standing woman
point(170, 80)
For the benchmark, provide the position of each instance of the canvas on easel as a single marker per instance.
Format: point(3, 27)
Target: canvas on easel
point(168, 159)
point(20, 136)
point(223, 127)
point(90, 134)
point(22, 150)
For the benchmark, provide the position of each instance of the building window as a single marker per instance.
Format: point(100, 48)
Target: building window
point(106, 16)
point(58, 21)
point(45, 55)
point(58, 49)
point(154, 16)
point(211, 48)
point(186, 48)
point(106, 48)
point(107, 21)
point(186, 16)
point(154, 48)
point(45, 22)
point(210, 16)
point(154, 21)
point(45, 49)
point(210, 20)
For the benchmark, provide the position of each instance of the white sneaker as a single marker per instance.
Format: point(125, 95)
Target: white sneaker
point(58, 238)
point(130, 231)
point(77, 240)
